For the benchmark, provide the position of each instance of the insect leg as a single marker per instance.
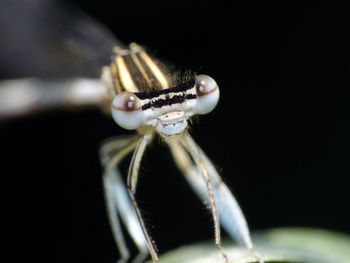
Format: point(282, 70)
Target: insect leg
point(117, 199)
point(231, 216)
point(198, 159)
point(131, 185)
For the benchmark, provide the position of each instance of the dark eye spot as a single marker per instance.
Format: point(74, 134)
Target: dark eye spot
point(127, 102)
point(130, 103)
point(200, 88)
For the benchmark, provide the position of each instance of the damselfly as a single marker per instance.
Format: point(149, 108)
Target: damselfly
point(141, 94)
point(148, 99)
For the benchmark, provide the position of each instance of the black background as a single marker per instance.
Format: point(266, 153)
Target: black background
point(279, 136)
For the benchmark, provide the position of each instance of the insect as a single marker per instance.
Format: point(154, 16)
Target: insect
point(149, 100)
point(142, 95)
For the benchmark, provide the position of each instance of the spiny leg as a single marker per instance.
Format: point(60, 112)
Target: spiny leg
point(224, 198)
point(231, 216)
point(131, 185)
point(187, 142)
point(117, 200)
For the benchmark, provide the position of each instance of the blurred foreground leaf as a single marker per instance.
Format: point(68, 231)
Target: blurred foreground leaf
point(276, 245)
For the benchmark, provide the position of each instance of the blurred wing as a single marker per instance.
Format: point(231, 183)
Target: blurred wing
point(55, 52)
point(47, 39)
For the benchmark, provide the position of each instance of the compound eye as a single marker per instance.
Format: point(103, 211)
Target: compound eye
point(127, 111)
point(207, 94)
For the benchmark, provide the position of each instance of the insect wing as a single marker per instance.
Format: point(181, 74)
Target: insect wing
point(47, 39)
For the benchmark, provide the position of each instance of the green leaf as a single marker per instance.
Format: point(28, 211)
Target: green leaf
point(275, 245)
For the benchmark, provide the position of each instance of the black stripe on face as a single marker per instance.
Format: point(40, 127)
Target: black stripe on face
point(164, 102)
point(156, 93)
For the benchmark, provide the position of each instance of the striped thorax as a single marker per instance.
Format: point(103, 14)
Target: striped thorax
point(145, 94)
